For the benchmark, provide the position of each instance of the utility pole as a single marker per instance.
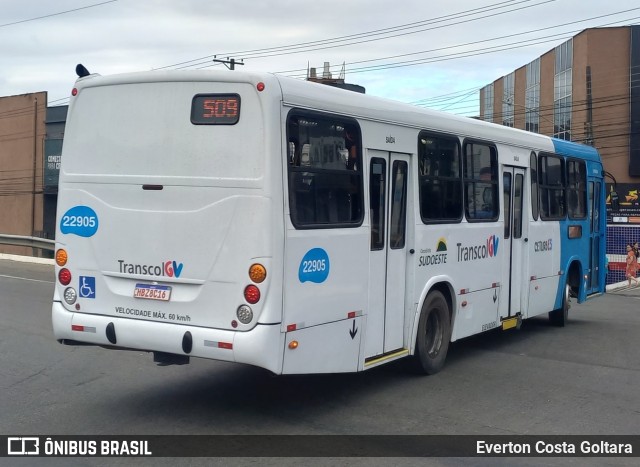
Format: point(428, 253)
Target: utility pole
point(230, 63)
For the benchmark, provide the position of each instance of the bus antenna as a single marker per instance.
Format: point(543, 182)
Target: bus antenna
point(81, 71)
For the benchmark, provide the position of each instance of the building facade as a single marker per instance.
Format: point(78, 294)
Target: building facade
point(587, 90)
point(22, 134)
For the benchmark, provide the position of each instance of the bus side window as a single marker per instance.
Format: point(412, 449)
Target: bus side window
point(325, 180)
point(481, 182)
point(576, 189)
point(440, 178)
point(551, 187)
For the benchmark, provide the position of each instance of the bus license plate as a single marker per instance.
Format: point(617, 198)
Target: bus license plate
point(152, 292)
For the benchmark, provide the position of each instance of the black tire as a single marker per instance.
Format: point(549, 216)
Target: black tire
point(560, 316)
point(434, 334)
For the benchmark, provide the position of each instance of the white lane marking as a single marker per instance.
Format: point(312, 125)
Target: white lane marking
point(26, 279)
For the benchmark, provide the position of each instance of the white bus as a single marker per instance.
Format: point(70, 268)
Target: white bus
point(301, 228)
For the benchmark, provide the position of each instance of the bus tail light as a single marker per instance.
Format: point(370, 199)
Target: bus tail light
point(252, 294)
point(64, 276)
point(70, 295)
point(244, 314)
point(61, 257)
point(257, 273)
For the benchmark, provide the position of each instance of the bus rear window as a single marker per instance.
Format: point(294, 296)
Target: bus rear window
point(149, 130)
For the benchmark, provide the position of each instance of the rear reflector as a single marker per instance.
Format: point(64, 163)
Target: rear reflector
point(219, 345)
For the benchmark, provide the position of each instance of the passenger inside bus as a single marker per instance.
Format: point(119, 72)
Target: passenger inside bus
point(481, 205)
point(352, 150)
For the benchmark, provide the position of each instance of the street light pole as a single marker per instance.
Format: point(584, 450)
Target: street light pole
point(230, 63)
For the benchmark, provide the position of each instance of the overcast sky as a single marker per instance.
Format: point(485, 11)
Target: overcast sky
point(432, 52)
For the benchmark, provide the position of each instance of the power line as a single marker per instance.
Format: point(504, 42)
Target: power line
point(354, 39)
point(56, 14)
point(458, 55)
point(500, 37)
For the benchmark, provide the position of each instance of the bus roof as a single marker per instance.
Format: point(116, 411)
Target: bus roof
point(302, 93)
point(306, 94)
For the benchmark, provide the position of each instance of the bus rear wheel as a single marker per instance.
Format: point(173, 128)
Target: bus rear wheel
point(560, 316)
point(434, 334)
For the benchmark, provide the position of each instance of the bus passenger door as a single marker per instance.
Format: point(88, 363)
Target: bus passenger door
point(388, 194)
point(515, 238)
point(594, 187)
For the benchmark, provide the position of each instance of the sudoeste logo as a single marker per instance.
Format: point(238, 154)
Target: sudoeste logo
point(79, 220)
point(314, 266)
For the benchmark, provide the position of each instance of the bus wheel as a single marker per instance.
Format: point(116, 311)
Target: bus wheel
point(434, 333)
point(560, 316)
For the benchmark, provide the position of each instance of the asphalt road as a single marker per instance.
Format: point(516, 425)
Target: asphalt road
point(583, 379)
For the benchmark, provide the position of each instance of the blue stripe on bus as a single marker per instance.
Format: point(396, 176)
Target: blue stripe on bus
point(574, 249)
point(567, 148)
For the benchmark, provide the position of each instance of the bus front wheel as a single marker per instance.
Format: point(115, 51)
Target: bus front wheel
point(434, 334)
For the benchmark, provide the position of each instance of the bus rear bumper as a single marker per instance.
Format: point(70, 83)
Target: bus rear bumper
point(262, 346)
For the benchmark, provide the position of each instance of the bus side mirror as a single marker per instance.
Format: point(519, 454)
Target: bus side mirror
point(615, 202)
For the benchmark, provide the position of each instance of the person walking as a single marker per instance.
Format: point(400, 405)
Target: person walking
point(632, 265)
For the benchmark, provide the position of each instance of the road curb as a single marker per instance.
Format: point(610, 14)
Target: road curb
point(617, 286)
point(27, 259)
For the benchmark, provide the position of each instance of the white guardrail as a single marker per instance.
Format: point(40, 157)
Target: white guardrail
point(32, 242)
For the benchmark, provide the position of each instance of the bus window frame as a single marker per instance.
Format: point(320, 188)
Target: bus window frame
point(543, 188)
point(575, 188)
point(535, 197)
point(423, 179)
point(292, 168)
point(495, 180)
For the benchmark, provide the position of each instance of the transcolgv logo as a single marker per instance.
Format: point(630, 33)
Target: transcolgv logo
point(166, 268)
point(489, 249)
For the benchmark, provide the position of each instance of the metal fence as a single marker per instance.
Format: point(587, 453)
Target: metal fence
point(32, 242)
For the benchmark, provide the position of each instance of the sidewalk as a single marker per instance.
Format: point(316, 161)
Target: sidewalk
point(624, 287)
point(27, 259)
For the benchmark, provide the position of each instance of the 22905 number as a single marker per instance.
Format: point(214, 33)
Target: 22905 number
point(314, 265)
point(78, 221)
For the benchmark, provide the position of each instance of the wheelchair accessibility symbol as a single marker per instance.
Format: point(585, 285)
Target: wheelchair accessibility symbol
point(87, 287)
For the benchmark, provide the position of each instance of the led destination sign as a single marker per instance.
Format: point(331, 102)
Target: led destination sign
point(215, 109)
